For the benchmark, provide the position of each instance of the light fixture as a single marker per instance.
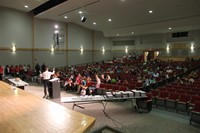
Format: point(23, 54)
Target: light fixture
point(80, 12)
point(167, 48)
point(126, 50)
point(103, 50)
point(192, 47)
point(132, 32)
point(81, 49)
point(56, 31)
point(117, 34)
point(157, 53)
point(150, 11)
point(52, 49)
point(65, 17)
point(13, 48)
point(94, 23)
point(170, 28)
point(109, 19)
point(26, 6)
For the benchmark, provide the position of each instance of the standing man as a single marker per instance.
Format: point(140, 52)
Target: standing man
point(46, 75)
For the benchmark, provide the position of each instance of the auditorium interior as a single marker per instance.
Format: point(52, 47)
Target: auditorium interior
point(121, 66)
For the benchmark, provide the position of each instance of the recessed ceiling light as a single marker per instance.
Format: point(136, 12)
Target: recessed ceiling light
point(150, 11)
point(94, 23)
point(109, 19)
point(132, 32)
point(117, 34)
point(26, 6)
point(170, 28)
point(80, 12)
point(65, 16)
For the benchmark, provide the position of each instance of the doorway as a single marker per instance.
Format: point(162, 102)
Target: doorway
point(149, 55)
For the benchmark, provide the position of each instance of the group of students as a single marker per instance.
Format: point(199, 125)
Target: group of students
point(15, 71)
point(82, 84)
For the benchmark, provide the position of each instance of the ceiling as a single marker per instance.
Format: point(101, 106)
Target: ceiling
point(129, 17)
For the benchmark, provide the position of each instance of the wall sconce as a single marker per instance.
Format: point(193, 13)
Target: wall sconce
point(192, 47)
point(157, 53)
point(81, 49)
point(103, 50)
point(167, 48)
point(13, 48)
point(52, 49)
point(126, 50)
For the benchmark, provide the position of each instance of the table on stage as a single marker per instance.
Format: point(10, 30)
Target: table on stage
point(22, 112)
point(18, 83)
point(79, 100)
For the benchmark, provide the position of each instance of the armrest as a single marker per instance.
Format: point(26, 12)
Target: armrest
point(171, 100)
point(148, 101)
point(195, 112)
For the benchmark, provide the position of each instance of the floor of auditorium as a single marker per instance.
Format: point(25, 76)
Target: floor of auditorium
point(122, 117)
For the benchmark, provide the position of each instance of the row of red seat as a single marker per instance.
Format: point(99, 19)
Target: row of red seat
point(109, 87)
point(183, 86)
point(194, 91)
point(174, 100)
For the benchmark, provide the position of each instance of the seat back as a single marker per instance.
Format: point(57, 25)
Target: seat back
point(154, 93)
point(115, 88)
point(191, 92)
point(163, 94)
point(123, 88)
point(171, 90)
point(194, 99)
point(184, 98)
point(109, 86)
point(131, 86)
point(180, 91)
point(102, 85)
point(174, 96)
point(162, 89)
point(149, 96)
point(197, 106)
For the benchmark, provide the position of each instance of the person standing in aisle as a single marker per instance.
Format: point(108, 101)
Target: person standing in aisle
point(46, 75)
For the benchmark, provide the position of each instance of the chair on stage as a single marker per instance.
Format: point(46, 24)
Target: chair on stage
point(195, 113)
point(171, 101)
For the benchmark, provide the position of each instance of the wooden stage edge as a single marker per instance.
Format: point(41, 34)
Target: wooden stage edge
point(22, 112)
